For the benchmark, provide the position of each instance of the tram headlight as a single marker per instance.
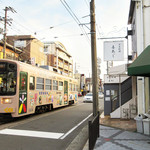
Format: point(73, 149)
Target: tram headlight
point(6, 101)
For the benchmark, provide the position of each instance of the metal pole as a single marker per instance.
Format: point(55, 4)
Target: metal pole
point(127, 47)
point(107, 67)
point(120, 101)
point(5, 22)
point(94, 58)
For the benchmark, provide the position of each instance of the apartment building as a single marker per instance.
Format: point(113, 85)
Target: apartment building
point(59, 58)
point(10, 52)
point(33, 49)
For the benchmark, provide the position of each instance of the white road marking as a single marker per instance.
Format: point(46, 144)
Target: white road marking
point(50, 135)
point(40, 134)
point(71, 130)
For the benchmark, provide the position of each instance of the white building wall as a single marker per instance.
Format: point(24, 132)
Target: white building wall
point(139, 24)
point(146, 19)
point(142, 27)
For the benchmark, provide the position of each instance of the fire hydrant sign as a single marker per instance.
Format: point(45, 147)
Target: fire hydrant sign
point(113, 50)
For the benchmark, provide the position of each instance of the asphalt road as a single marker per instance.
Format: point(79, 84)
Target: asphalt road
point(50, 131)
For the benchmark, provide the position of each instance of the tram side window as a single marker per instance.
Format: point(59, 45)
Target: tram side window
point(40, 83)
point(60, 86)
point(48, 84)
point(32, 83)
point(55, 85)
point(70, 87)
point(23, 81)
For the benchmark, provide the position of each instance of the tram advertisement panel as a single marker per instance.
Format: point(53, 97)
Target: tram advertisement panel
point(65, 92)
point(23, 93)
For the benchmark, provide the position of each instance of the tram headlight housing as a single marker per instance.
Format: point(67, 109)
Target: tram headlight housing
point(6, 101)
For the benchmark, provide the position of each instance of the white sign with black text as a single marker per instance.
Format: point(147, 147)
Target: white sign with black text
point(113, 51)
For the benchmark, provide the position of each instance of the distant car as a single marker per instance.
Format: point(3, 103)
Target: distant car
point(100, 95)
point(79, 94)
point(88, 97)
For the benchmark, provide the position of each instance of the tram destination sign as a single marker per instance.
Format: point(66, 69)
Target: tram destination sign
point(113, 51)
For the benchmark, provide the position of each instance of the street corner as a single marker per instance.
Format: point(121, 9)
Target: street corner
point(113, 138)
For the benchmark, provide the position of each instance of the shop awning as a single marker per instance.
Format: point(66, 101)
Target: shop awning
point(141, 66)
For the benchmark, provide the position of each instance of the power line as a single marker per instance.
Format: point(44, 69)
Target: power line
point(87, 3)
point(57, 25)
point(75, 18)
point(23, 18)
point(69, 12)
point(53, 26)
point(24, 26)
point(17, 30)
point(71, 35)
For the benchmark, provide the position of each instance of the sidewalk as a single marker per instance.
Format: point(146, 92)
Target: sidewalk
point(125, 124)
point(120, 134)
point(118, 139)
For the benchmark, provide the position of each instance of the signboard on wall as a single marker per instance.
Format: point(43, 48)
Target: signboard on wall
point(115, 78)
point(20, 43)
point(113, 50)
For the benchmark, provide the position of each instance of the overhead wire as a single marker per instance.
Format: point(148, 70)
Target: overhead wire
point(14, 28)
point(70, 11)
point(27, 29)
point(71, 35)
point(87, 3)
point(79, 23)
point(53, 26)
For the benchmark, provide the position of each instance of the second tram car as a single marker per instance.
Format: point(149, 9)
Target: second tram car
point(26, 89)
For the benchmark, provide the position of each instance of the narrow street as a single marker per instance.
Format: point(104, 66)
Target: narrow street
point(53, 130)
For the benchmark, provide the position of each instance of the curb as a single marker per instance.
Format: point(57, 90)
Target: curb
point(80, 140)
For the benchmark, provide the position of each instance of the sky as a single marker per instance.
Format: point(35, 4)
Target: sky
point(49, 20)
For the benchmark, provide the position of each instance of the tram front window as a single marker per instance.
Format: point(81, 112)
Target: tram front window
point(8, 78)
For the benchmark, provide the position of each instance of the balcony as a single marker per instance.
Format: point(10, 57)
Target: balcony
point(70, 68)
point(66, 67)
point(60, 64)
point(64, 57)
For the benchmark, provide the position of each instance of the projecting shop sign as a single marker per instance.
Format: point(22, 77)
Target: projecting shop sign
point(20, 43)
point(113, 50)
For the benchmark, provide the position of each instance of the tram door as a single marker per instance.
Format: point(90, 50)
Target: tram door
point(65, 92)
point(23, 93)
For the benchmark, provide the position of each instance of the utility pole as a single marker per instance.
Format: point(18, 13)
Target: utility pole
point(94, 58)
point(6, 21)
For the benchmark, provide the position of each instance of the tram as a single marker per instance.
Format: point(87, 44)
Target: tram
point(26, 89)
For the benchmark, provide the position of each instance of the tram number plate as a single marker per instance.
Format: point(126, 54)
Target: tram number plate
point(8, 110)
